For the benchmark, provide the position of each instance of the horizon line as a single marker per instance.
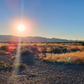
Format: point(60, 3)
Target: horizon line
point(46, 37)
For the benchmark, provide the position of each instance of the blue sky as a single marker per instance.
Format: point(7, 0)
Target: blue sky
point(53, 18)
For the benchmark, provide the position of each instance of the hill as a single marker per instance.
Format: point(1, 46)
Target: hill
point(6, 38)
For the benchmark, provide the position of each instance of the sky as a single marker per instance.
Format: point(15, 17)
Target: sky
point(46, 18)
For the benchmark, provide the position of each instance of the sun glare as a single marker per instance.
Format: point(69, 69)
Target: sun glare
point(21, 27)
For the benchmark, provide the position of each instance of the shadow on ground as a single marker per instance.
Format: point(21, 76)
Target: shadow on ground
point(28, 59)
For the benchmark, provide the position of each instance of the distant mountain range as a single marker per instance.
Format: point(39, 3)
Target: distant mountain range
point(6, 38)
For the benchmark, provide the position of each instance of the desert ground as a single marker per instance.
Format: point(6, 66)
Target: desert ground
point(42, 63)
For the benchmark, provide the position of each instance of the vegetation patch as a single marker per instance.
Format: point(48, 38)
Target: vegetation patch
point(3, 48)
point(20, 65)
point(13, 57)
point(73, 49)
point(5, 66)
point(2, 52)
point(66, 58)
point(26, 52)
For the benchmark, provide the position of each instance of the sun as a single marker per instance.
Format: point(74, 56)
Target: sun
point(21, 27)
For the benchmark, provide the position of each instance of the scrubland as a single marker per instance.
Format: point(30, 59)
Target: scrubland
point(68, 53)
point(37, 59)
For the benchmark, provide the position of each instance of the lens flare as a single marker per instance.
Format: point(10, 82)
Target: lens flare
point(69, 58)
point(15, 72)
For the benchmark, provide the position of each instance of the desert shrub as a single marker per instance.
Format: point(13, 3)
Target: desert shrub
point(43, 49)
point(35, 45)
point(2, 52)
point(26, 51)
point(63, 44)
point(47, 42)
point(73, 49)
point(78, 60)
point(60, 46)
point(82, 44)
point(48, 61)
point(64, 50)
point(58, 42)
point(13, 57)
point(1, 64)
point(51, 47)
point(3, 48)
point(34, 48)
point(5, 65)
point(20, 65)
point(56, 50)
point(54, 61)
point(42, 55)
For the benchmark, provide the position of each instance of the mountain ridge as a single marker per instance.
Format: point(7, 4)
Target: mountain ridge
point(6, 38)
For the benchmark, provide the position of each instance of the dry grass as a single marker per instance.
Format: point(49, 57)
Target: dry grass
point(73, 57)
point(68, 52)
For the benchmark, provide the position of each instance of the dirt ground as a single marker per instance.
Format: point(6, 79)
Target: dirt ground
point(37, 71)
point(45, 73)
